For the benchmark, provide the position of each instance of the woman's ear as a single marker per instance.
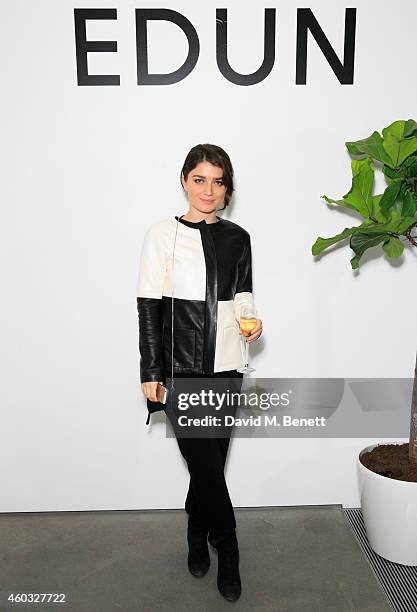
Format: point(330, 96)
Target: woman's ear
point(183, 181)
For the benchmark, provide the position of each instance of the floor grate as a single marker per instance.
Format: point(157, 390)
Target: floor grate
point(399, 582)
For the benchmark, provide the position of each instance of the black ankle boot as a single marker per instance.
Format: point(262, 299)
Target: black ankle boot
point(198, 555)
point(228, 577)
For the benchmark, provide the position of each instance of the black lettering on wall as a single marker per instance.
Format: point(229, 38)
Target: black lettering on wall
point(83, 46)
point(142, 18)
point(307, 21)
point(269, 50)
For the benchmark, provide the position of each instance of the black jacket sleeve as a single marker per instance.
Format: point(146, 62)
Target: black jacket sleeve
point(151, 279)
point(244, 289)
point(244, 282)
point(150, 339)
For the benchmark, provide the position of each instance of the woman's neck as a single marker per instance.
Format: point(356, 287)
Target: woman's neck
point(196, 216)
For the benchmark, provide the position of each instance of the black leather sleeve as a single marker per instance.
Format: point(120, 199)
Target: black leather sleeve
point(150, 339)
point(244, 282)
point(244, 289)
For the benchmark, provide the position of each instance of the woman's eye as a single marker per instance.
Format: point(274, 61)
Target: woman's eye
point(197, 180)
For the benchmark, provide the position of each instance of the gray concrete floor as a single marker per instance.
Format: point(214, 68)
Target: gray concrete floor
point(293, 559)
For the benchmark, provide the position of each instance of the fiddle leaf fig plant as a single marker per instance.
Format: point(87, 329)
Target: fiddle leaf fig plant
point(388, 219)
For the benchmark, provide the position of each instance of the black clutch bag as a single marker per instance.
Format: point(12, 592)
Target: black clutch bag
point(161, 394)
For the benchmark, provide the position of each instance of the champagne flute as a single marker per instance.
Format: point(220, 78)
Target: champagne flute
point(247, 321)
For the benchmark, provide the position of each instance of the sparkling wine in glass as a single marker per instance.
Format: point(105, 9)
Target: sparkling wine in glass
point(247, 323)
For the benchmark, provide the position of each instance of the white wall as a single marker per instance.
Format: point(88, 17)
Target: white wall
point(87, 169)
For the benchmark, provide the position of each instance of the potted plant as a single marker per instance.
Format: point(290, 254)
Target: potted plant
point(387, 473)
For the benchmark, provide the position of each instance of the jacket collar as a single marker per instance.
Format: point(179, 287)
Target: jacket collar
point(199, 224)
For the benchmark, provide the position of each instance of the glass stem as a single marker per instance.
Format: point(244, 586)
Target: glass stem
point(246, 354)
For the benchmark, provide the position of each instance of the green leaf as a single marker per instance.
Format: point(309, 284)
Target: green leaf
point(394, 247)
point(393, 174)
point(373, 146)
point(410, 166)
point(389, 196)
point(404, 224)
point(376, 208)
point(410, 127)
point(323, 243)
point(359, 198)
point(362, 241)
point(409, 205)
point(405, 205)
point(396, 143)
point(354, 262)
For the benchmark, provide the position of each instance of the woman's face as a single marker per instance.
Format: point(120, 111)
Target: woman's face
point(205, 187)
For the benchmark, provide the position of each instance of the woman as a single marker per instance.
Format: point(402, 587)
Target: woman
point(195, 275)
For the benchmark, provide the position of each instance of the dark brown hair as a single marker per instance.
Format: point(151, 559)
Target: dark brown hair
point(216, 156)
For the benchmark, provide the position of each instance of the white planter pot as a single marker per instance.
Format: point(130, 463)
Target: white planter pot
point(389, 509)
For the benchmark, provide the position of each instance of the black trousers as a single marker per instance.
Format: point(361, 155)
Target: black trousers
point(208, 503)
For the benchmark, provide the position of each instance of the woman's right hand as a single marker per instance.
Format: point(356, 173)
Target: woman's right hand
point(149, 389)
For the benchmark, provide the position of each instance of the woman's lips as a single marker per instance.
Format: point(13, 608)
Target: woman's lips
point(206, 201)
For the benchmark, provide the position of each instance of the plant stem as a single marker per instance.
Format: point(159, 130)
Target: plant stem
point(411, 238)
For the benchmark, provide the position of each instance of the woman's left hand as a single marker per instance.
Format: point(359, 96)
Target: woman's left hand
point(256, 332)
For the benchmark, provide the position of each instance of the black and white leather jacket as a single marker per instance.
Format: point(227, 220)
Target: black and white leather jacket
point(210, 278)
